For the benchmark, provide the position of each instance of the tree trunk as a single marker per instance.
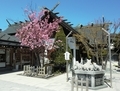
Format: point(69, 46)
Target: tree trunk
point(37, 59)
point(118, 59)
point(97, 57)
point(105, 62)
point(96, 51)
point(102, 61)
point(101, 57)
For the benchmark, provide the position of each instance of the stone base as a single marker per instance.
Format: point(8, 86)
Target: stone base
point(95, 78)
point(98, 87)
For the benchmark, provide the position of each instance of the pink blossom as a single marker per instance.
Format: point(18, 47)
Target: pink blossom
point(36, 32)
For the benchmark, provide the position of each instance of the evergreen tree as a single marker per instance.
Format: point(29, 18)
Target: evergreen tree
point(60, 45)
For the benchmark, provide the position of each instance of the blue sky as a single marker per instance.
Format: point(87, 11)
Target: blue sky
point(75, 11)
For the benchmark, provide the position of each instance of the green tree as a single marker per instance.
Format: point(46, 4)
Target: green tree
point(60, 45)
point(117, 46)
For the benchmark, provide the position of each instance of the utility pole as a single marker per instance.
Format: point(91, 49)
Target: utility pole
point(66, 52)
point(109, 55)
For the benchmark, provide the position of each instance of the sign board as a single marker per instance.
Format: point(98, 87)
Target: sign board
point(49, 43)
point(71, 42)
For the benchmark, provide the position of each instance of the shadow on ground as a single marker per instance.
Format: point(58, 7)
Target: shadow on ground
point(5, 71)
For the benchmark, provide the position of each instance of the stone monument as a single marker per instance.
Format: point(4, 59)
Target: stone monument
point(92, 71)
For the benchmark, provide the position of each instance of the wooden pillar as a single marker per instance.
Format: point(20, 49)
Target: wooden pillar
point(20, 59)
point(31, 58)
point(11, 57)
point(14, 59)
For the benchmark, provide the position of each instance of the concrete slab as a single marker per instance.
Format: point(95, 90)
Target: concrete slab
point(15, 82)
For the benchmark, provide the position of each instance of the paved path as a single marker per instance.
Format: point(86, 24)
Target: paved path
point(11, 81)
point(15, 82)
point(11, 86)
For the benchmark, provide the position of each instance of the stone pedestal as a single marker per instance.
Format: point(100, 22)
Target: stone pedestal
point(96, 78)
point(49, 70)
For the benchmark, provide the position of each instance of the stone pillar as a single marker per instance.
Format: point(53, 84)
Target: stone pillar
point(92, 80)
point(102, 79)
point(49, 70)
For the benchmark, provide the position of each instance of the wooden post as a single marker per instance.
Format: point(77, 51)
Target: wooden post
point(55, 6)
point(20, 59)
point(11, 57)
point(14, 60)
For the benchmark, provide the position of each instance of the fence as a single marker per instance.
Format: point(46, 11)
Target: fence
point(40, 71)
point(32, 71)
point(75, 83)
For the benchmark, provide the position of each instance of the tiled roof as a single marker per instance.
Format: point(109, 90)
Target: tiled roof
point(12, 29)
point(64, 24)
point(8, 40)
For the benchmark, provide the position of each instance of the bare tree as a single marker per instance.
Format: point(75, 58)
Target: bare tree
point(116, 39)
point(97, 44)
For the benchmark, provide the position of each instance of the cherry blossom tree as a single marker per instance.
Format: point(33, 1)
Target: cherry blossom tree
point(37, 31)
